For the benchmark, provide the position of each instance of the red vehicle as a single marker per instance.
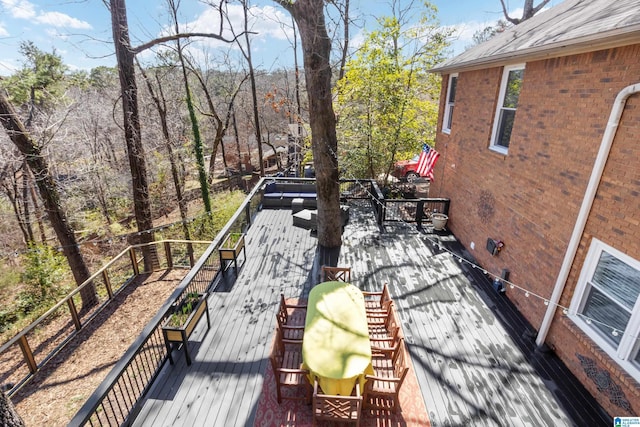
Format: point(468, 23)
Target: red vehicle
point(406, 169)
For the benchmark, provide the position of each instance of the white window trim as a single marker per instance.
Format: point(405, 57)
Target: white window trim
point(496, 119)
point(625, 350)
point(447, 110)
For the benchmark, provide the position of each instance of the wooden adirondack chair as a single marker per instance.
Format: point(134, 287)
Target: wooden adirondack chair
point(340, 274)
point(344, 409)
point(382, 390)
point(286, 362)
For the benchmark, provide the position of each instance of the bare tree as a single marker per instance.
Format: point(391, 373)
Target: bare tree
point(316, 46)
point(246, 52)
point(160, 102)
point(344, 13)
point(131, 121)
point(131, 117)
point(221, 126)
point(49, 193)
point(528, 10)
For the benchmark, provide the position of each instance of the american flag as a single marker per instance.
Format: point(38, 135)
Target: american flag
point(426, 161)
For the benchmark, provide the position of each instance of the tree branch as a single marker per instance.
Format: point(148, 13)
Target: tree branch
point(172, 37)
point(514, 21)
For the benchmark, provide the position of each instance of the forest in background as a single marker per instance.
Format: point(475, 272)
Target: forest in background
point(384, 98)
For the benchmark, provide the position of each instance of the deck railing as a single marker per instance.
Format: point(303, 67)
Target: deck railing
point(27, 351)
point(412, 210)
point(117, 400)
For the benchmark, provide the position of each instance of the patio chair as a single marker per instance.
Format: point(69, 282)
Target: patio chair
point(377, 301)
point(385, 347)
point(382, 390)
point(340, 274)
point(383, 322)
point(286, 362)
point(343, 409)
point(291, 319)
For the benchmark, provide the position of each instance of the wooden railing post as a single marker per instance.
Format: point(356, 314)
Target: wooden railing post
point(167, 252)
point(28, 354)
point(134, 261)
point(107, 283)
point(74, 314)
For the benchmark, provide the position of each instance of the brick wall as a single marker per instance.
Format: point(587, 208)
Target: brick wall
point(530, 198)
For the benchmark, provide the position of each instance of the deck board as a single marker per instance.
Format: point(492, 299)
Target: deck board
point(473, 359)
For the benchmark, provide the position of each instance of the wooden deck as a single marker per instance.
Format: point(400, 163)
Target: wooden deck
point(474, 355)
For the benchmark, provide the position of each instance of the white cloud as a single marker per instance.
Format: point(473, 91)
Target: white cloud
point(58, 19)
point(272, 22)
point(19, 8)
point(3, 31)
point(23, 9)
point(265, 21)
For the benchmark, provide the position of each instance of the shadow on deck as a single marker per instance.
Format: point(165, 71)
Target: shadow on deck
point(474, 355)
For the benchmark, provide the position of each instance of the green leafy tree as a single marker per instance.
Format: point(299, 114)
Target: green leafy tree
point(31, 150)
point(387, 102)
point(39, 83)
point(45, 269)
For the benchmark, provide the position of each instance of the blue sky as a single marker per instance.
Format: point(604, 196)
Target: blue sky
point(80, 30)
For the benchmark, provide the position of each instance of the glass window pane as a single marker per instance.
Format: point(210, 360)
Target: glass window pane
point(452, 89)
point(606, 315)
point(449, 117)
point(514, 83)
point(618, 279)
point(504, 130)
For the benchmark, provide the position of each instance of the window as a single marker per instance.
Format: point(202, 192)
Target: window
point(507, 103)
point(448, 108)
point(606, 304)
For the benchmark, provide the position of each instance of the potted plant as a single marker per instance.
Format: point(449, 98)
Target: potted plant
point(182, 320)
point(230, 249)
point(439, 220)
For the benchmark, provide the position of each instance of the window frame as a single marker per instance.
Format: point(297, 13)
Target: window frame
point(448, 105)
point(626, 353)
point(500, 108)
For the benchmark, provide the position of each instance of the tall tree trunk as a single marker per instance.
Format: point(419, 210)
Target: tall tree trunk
point(131, 122)
point(235, 131)
point(197, 141)
point(37, 209)
point(297, 148)
point(252, 77)
point(161, 106)
point(316, 46)
point(195, 128)
point(345, 46)
point(11, 190)
point(8, 415)
point(49, 194)
point(26, 213)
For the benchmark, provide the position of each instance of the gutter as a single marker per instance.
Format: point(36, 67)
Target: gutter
point(585, 209)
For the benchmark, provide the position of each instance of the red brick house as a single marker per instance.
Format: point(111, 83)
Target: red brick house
point(539, 142)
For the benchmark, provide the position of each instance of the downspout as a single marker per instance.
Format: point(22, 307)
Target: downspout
point(585, 209)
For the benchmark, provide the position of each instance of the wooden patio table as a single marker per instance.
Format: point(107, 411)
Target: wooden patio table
point(336, 348)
